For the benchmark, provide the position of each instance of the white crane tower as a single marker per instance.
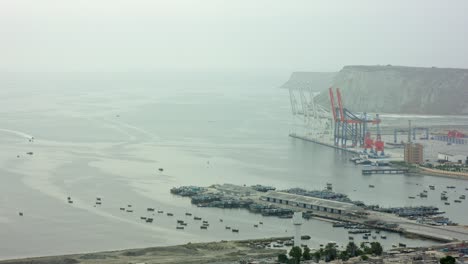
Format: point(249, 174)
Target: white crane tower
point(313, 117)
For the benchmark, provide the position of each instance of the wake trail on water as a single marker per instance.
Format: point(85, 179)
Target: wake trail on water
point(15, 132)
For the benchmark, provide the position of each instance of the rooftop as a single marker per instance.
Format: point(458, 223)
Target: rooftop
point(313, 201)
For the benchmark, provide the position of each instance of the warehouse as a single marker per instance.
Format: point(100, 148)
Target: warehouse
point(455, 157)
point(311, 203)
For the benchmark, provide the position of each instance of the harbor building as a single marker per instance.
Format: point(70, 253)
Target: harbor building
point(311, 203)
point(413, 153)
point(455, 157)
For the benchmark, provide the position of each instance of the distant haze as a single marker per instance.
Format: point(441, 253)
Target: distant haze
point(113, 35)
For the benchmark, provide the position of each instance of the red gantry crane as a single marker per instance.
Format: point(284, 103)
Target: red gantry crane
point(350, 126)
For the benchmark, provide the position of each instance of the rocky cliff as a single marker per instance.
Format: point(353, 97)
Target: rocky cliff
point(397, 89)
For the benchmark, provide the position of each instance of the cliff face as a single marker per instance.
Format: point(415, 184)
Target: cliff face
point(396, 89)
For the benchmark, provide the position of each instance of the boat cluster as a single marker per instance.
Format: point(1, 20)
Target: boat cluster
point(201, 198)
point(444, 196)
point(355, 229)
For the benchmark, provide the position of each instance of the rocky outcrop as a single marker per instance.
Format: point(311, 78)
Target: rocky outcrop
point(397, 89)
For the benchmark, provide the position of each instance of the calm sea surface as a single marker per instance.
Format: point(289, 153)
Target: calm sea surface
point(106, 135)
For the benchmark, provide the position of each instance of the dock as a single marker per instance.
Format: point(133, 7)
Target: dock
point(384, 171)
point(351, 150)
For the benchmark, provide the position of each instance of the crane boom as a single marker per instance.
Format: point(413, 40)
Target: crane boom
point(332, 100)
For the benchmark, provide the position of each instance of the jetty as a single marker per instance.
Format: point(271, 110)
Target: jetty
point(384, 171)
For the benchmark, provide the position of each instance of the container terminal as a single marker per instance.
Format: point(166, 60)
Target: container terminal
point(376, 137)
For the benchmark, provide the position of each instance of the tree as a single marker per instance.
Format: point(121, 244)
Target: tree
point(317, 255)
point(364, 257)
point(352, 249)
point(344, 255)
point(376, 248)
point(365, 248)
point(330, 252)
point(282, 258)
point(447, 260)
point(306, 254)
point(296, 253)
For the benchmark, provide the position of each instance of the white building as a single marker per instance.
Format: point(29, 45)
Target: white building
point(456, 157)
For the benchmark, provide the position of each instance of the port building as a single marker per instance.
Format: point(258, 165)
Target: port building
point(455, 157)
point(311, 203)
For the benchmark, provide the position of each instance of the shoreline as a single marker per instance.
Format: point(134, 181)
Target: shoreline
point(225, 252)
point(206, 252)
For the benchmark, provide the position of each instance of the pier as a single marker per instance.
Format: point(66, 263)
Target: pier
point(384, 171)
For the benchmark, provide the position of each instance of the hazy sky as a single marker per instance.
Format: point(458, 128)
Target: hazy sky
point(113, 35)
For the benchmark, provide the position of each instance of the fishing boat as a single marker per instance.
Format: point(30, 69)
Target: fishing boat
point(197, 218)
point(160, 211)
point(179, 227)
point(457, 201)
point(447, 203)
point(371, 186)
point(255, 225)
point(235, 230)
point(228, 227)
point(383, 237)
point(170, 214)
point(203, 227)
point(188, 214)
